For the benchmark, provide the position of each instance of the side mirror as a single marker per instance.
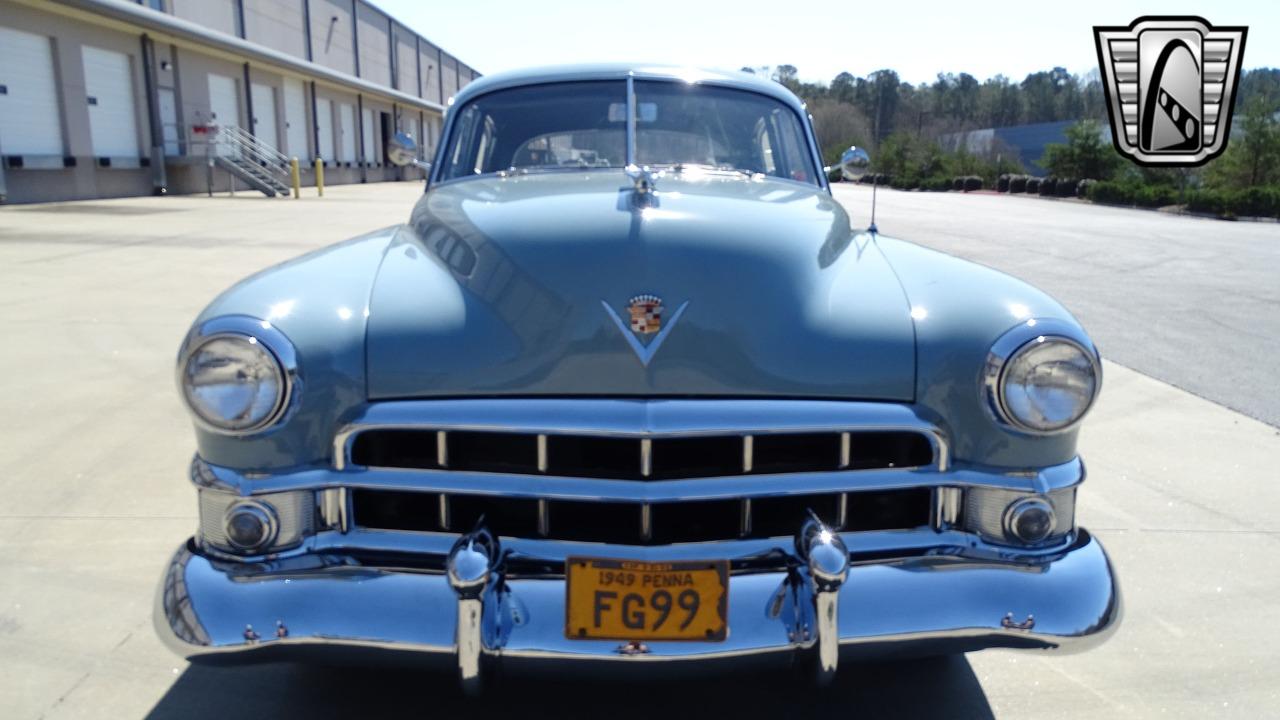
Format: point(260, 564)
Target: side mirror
point(402, 150)
point(855, 157)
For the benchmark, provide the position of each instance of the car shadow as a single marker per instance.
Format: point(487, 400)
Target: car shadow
point(943, 687)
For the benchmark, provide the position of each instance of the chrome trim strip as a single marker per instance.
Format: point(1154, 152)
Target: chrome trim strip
point(639, 418)
point(333, 508)
point(445, 517)
point(542, 452)
point(877, 542)
point(631, 120)
point(544, 518)
point(744, 518)
point(442, 448)
point(555, 487)
point(845, 444)
point(748, 453)
point(842, 514)
point(646, 457)
point(646, 522)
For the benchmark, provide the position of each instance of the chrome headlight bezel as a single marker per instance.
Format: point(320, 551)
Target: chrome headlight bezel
point(1033, 334)
point(271, 341)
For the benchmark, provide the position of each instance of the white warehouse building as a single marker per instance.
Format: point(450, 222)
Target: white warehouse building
point(112, 98)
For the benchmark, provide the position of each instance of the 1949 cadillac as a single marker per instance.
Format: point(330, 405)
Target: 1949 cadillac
point(628, 392)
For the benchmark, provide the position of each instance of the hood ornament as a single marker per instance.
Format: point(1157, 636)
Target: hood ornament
point(643, 191)
point(646, 313)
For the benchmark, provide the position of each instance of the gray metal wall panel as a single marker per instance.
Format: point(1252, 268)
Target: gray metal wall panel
point(430, 72)
point(217, 15)
point(450, 66)
point(278, 24)
point(331, 39)
point(374, 44)
point(406, 61)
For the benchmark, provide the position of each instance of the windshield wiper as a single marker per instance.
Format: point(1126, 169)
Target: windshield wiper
point(538, 169)
point(681, 167)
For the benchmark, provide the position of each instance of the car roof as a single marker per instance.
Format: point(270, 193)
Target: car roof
point(620, 71)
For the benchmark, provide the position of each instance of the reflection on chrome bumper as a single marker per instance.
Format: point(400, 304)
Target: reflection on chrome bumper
point(325, 604)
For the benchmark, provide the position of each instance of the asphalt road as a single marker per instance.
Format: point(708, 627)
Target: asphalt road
point(1194, 302)
point(95, 297)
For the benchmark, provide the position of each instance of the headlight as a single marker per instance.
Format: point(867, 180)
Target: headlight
point(1041, 382)
point(232, 378)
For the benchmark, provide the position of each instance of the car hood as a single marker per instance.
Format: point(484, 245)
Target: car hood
point(521, 285)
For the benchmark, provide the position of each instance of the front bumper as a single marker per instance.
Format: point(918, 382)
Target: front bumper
point(322, 605)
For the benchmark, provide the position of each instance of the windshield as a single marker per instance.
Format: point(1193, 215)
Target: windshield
point(579, 125)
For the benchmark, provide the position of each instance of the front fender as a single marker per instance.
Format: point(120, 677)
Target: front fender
point(319, 301)
point(960, 309)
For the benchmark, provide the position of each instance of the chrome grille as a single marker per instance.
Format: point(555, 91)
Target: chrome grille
point(629, 523)
point(639, 457)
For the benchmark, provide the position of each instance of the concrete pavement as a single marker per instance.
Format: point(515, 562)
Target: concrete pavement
point(96, 296)
point(1194, 302)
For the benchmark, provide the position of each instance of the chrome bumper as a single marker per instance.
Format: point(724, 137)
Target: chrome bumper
point(820, 605)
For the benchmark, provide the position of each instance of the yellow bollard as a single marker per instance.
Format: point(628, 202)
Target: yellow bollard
point(319, 177)
point(296, 177)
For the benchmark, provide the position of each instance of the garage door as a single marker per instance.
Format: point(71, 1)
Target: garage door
point(113, 116)
point(366, 127)
point(295, 119)
point(30, 123)
point(264, 114)
point(324, 128)
point(347, 131)
point(224, 104)
point(169, 121)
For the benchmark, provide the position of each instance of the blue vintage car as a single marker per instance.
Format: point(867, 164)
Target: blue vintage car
point(628, 389)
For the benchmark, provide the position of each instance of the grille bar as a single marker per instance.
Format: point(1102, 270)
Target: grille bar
point(628, 523)
point(641, 458)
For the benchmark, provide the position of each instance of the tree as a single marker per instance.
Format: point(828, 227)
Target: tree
point(1259, 82)
point(843, 87)
point(1252, 158)
point(999, 103)
point(1085, 154)
point(837, 126)
point(786, 75)
point(883, 101)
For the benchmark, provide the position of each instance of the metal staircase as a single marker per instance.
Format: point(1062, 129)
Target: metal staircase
point(252, 161)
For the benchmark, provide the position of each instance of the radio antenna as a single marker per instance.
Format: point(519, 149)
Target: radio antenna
point(875, 183)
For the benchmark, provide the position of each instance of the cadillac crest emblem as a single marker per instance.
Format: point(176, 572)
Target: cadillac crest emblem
point(645, 331)
point(646, 314)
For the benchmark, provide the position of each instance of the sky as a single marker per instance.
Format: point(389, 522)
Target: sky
point(820, 37)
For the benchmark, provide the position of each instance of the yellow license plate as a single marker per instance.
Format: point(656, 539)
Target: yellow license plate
point(632, 600)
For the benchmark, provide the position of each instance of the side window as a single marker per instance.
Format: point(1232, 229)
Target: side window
point(764, 147)
point(485, 150)
point(463, 130)
point(793, 161)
